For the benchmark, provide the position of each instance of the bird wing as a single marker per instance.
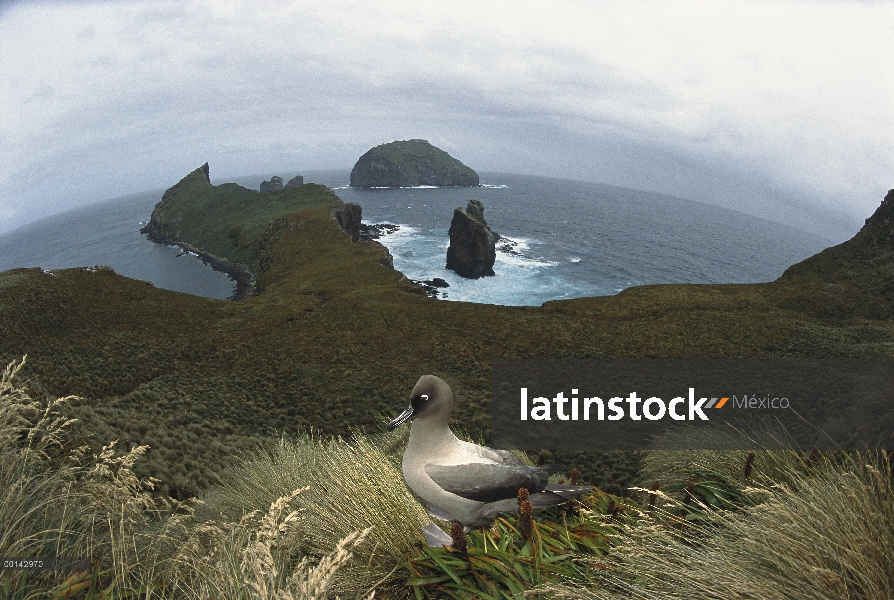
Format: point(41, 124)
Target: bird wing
point(486, 482)
point(439, 513)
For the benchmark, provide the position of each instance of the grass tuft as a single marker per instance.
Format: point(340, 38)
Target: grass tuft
point(59, 499)
point(799, 528)
point(350, 485)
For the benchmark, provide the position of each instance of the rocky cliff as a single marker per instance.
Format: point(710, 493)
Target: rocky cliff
point(863, 264)
point(233, 228)
point(409, 163)
point(274, 185)
point(348, 216)
point(472, 250)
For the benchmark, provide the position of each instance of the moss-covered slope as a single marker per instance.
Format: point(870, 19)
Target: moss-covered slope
point(336, 340)
point(408, 163)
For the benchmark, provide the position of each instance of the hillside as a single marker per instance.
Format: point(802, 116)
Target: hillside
point(866, 261)
point(335, 340)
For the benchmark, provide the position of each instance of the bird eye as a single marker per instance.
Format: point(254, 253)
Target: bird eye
point(424, 397)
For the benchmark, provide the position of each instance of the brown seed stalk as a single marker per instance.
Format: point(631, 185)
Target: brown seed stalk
point(653, 496)
point(527, 518)
point(459, 537)
point(749, 464)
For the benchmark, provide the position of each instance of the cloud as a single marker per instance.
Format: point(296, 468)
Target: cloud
point(726, 102)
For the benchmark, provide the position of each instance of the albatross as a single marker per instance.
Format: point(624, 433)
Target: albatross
point(462, 481)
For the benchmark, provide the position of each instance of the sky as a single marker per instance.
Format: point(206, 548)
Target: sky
point(780, 109)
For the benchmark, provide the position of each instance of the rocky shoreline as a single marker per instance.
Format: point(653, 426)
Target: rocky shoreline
point(374, 231)
point(239, 273)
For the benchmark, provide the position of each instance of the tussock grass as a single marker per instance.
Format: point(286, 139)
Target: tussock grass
point(351, 485)
point(56, 499)
point(674, 468)
point(258, 556)
point(814, 526)
point(314, 517)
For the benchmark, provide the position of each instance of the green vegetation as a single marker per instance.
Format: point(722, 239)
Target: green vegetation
point(58, 500)
point(333, 341)
point(341, 522)
point(804, 526)
point(228, 220)
point(520, 551)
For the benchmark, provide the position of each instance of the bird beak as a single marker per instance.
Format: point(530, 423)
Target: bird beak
point(401, 418)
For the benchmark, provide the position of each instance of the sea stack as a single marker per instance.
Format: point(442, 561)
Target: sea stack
point(410, 163)
point(472, 250)
point(274, 185)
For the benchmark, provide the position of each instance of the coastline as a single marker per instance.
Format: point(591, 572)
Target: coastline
point(239, 273)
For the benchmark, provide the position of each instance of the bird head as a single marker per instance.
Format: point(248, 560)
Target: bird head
point(431, 400)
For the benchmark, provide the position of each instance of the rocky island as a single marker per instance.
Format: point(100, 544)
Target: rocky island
point(275, 183)
point(409, 163)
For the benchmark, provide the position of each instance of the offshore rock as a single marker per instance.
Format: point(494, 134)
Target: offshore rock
point(410, 163)
point(274, 185)
point(295, 181)
point(437, 282)
point(472, 244)
point(432, 287)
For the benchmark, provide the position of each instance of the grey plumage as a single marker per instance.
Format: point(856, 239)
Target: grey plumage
point(467, 482)
point(487, 482)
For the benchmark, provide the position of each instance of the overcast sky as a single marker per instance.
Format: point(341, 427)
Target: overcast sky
point(780, 109)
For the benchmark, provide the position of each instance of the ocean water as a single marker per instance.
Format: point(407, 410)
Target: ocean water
point(568, 239)
point(108, 233)
point(560, 239)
